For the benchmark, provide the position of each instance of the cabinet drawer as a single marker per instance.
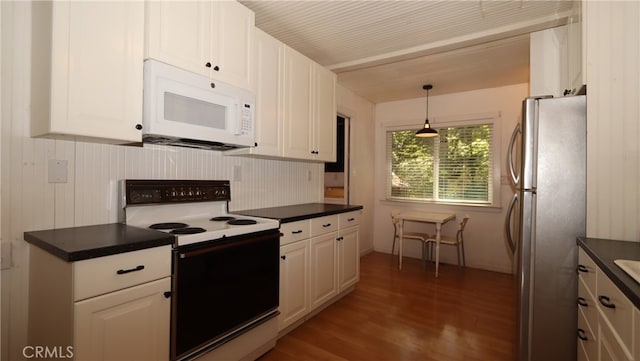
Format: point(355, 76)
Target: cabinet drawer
point(620, 317)
point(587, 305)
point(586, 338)
point(349, 219)
point(587, 270)
point(294, 231)
point(322, 225)
point(101, 275)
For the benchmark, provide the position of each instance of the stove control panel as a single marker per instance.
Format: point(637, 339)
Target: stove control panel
point(160, 191)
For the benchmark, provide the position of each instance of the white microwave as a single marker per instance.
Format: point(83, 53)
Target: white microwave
point(186, 109)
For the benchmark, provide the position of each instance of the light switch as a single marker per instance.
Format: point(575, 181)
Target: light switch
point(58, 170)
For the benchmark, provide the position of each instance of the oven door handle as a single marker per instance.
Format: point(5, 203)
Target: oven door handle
point(218, 247)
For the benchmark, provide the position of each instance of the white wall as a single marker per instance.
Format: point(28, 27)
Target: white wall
point(612, 47)
point(360, 111)
point(485, 243)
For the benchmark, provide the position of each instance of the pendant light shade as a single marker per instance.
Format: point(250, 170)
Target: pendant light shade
point(427, 131)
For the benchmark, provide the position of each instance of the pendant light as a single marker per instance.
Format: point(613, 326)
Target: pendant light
point(427, 131)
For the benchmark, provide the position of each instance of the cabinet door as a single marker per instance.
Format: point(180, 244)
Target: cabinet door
point(131, 324)
point(324, 113)
point(179, 33)
point(348, 258)
point(96, 69)
point(268, 126)
point(294, 274)
point(297, 104)
point(323, 283)
point(232, 43)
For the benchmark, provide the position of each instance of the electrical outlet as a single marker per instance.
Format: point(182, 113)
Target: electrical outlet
point(5, 255)
point(237, 173)
point(58, 170)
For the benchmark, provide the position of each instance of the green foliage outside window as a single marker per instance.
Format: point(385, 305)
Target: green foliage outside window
point(453, 167)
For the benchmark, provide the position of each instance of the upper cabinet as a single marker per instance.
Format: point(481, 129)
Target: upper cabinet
point(87, 70)
point(310, 109)
point(295, 105)
point(212, 38)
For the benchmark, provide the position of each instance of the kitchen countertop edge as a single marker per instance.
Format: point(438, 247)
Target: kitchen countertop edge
point(101, 245)
point(603, 254)
point(300, 212)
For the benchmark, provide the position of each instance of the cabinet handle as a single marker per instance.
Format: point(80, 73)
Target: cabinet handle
point(296, 232)
point(283, 257)
point(567, 92)
point(583, 269)
point(326, 225)
point(581, 335)
point(213, 85)
point(339, 238)
point(582, 302)
point(281, 234)
point(216, 68)
point(208, 65)
point(139, 126)
point(606, 302)
point(314, 152)
point(167, 294)
point(123, 271)
point(351, 219)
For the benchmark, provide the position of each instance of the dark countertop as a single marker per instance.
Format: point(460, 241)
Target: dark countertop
point(79, 243)
point(604, 252)
point(299, 212)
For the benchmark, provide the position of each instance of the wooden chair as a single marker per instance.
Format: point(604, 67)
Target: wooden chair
point(457, 241)
point(417, 236)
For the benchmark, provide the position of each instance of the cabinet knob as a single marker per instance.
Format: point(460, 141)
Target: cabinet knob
point(216, 68)
point(139, 126)
point(167, 294)
point(213, 85)
point(208, 65)
point(283, 257)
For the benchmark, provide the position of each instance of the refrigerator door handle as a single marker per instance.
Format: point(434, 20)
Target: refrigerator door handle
point(507, 223)
point(514, 177)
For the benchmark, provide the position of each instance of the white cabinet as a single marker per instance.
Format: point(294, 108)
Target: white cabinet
point(87, 70)
point(606, 329)
point(294, 273)
point(323, 285)
point(310, 110)
point(130, 324)
point(108, 308)
point(320, 262)
point(295, 102)
point(212, 38)
point(349, 250)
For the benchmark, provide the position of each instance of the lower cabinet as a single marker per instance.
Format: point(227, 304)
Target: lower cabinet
point(319, 262)
point(131, 324)
point(115, 307)
point(294, 273)
point(606, 328)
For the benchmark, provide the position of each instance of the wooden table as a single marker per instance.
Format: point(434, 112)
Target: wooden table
point(427, 217)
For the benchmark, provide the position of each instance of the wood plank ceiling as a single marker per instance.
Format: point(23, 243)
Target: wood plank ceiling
point(386, 50)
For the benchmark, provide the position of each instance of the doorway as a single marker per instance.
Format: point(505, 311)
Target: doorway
point(336, 175)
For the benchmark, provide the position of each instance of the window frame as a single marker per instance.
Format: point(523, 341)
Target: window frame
point(493, 118)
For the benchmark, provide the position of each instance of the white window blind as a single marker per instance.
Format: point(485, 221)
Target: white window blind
point(454, 167)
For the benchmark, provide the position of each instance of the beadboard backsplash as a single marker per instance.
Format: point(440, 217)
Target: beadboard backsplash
point(90, 195)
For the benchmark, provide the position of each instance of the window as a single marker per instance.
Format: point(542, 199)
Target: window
point(454, 167)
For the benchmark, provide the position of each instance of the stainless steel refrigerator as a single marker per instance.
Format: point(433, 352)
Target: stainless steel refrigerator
point(547, 164)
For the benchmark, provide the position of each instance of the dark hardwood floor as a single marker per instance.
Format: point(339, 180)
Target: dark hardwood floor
point(465, 314)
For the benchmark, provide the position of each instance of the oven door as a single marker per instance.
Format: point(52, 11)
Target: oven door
point(222, 288)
